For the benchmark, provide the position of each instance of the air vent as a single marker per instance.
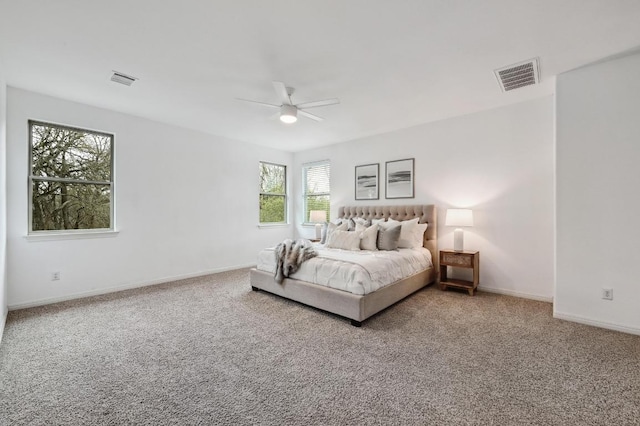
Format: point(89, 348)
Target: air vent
point(118, 77)
point(518, 75)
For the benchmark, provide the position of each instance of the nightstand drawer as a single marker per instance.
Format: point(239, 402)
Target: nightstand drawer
point(455, 259)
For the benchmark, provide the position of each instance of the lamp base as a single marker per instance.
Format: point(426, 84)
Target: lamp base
point(458, 240)
point(318, 231)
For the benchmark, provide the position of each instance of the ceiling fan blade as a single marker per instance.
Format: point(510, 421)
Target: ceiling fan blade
point(315, 104)
point(281, 91)
point(259, 103)
point(309, 115)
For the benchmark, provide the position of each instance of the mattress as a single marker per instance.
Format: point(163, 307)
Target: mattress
point(358, 272)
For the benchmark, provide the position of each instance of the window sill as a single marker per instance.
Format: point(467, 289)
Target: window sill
point(272, 225)
point(55, 236)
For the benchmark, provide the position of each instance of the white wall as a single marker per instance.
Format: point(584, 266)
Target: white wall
point(497, 162)
point(186, 204)
point(3, 205)
point(598, 178)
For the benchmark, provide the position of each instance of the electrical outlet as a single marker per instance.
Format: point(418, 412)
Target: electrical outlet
point(607, 293)
point(55, 276)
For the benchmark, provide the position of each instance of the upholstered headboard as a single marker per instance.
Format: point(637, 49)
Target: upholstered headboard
point(426, 212)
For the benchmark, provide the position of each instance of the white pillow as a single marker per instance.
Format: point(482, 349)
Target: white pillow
point(387, 224)
point(377, 221)
point(369, 236)
point(333, 227)
point(418, 235)
point(411, 233)
point(406, 233)
point(344, 240)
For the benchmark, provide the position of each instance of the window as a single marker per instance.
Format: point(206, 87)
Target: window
point(273, 193)
point(316, 183)
point(70, 178)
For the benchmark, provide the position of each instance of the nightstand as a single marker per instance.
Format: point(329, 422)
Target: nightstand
point(314, 240)
point(459, 259)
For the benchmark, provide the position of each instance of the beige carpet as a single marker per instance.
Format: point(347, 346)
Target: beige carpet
point(210, 351)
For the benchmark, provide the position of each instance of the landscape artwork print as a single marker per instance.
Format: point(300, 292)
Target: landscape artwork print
point(367, 182)
point(399, 179)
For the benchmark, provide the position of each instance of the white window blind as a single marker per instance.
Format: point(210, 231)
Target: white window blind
point(317, 187)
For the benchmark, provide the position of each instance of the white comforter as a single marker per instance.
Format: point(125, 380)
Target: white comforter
point(358, 272)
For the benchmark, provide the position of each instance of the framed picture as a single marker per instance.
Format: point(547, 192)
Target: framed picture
point(367, 182)
point(399, 182)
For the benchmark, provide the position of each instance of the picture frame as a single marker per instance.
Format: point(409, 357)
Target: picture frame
point(366, 182)
point(399, 179)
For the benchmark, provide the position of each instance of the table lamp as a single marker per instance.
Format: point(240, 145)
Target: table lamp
point(318, 217)
point(459, 217)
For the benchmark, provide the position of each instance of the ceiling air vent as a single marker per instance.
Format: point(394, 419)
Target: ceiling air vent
point(118, 77)
point(518, 75)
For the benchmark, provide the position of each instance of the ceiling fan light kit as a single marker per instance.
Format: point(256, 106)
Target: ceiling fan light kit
point(288, 114)
point(288, 110)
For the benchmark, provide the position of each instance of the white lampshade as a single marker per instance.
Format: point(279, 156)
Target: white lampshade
point(459, 217)
point(317, 216)
point(288, 114)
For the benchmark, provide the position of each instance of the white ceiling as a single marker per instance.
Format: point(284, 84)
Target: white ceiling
point(393, 64)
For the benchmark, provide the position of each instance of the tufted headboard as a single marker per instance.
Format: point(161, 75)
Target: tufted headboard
point(426, 212)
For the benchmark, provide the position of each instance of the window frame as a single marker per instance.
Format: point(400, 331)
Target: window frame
point(285, 195)
point(31, 178)
point(305, 167)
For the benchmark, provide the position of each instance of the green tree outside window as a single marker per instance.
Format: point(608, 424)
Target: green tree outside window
point(273, 193)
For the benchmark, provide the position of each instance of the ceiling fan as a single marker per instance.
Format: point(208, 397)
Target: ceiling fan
point(288, 110)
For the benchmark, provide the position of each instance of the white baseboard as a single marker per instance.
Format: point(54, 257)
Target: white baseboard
point(98, 292)
point(516, 294)
point(602, 324)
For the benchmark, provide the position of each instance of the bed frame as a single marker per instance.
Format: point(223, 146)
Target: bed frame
point(360, 307)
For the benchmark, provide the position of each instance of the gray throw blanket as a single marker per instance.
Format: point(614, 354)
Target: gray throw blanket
point(289, 256)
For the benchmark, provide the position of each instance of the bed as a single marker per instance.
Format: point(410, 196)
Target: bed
point(359, 307)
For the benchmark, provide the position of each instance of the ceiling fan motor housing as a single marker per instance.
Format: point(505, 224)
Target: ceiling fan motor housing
point(288, 113)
